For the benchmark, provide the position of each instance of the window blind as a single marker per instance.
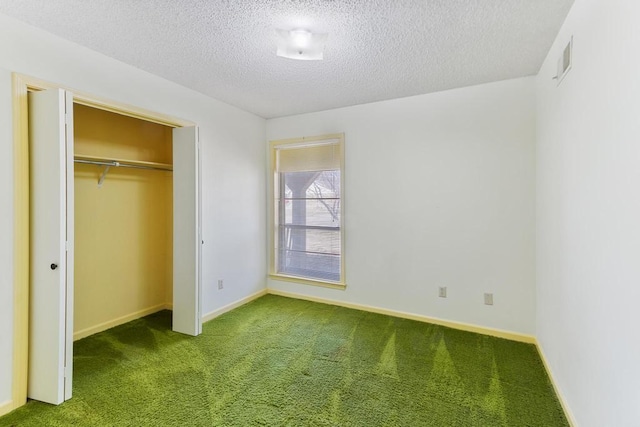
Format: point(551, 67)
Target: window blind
point(309, 157)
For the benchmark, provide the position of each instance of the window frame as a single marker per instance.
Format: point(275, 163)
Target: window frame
point(274, 192)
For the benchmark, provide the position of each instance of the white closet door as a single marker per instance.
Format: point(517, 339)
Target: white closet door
point(186, 232)
point(51, 242)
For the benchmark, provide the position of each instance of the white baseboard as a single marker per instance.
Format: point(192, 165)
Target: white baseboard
point(119, 321)
point(229, 307)
point(563, 402)
point(6, 407)
point(514, 336)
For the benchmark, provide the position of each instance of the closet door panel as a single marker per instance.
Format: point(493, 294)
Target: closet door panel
point(186, 232)
point(51, 246)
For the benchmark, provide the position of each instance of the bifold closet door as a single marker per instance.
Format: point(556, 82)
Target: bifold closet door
point(51, 246)
point(187, 239)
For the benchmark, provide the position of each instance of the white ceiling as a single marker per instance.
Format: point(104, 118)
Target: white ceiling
point(376, 50)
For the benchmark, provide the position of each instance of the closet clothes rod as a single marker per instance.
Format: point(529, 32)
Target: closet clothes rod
point(121, 165)
point(108, 164)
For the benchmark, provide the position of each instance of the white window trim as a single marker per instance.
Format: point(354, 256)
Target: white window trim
point(338, 139)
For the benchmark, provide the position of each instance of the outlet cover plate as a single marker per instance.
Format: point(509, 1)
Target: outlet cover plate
point(488, 299)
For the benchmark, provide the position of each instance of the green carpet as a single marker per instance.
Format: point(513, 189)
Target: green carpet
point(284, 362)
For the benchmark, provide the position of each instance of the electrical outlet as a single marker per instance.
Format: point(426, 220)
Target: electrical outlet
point(220, 284)
point(488, 299)
point(442, 291)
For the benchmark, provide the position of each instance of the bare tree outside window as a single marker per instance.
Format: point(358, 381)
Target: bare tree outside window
point(327, 184)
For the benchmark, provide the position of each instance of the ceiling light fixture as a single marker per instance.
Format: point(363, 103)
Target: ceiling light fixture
point(301, 44)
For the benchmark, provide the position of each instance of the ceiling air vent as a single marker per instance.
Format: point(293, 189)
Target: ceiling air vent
point(564, 62)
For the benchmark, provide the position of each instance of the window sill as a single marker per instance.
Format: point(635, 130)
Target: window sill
point(307, 281)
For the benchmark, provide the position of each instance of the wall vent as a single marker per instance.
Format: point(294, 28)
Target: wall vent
point(564, 62)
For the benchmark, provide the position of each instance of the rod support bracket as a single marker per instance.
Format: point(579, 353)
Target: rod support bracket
point(104, 173)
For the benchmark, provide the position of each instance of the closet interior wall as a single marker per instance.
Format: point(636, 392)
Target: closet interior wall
point(123, 228)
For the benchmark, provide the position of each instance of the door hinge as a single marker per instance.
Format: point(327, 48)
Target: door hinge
point(66, 246)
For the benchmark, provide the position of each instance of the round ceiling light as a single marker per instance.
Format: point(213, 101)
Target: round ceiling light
point(301, 44)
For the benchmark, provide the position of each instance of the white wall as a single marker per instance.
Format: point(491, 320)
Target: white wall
point(233, 160)
point(440, 191)
point(588, 214)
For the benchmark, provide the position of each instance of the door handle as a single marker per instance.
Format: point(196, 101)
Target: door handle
point(54, 266)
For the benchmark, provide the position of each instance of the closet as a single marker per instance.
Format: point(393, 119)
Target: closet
point(114, 227)
point(123, 219)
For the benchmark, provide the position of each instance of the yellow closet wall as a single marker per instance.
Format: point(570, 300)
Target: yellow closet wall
point(123, 230)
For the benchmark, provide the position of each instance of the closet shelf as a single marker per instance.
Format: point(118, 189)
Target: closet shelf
point(120, 163)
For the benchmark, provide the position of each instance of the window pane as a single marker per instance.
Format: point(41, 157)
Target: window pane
point(313, 265)
point(309, 232)
point(325, 185)
point(305, 239)
point(322, 213)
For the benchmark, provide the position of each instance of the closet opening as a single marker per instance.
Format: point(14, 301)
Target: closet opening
point(107, 219)
point(123, 184)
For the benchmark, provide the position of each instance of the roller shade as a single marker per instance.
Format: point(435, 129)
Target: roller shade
point(306, 158)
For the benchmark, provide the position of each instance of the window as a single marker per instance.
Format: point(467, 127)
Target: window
point(307, 209)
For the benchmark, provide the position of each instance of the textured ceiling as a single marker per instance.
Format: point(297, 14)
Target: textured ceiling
point(376, 49)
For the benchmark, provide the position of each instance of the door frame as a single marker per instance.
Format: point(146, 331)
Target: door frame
point(21, 85)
